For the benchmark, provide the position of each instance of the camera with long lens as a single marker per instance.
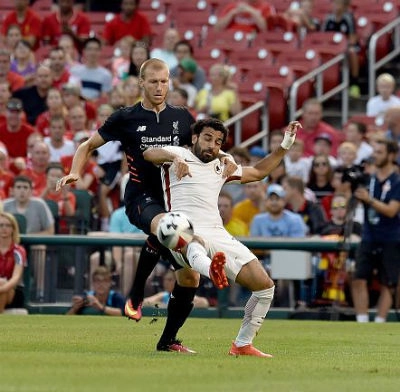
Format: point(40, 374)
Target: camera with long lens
point(356, 176)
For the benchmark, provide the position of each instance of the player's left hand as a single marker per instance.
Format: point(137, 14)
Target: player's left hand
point(290, 134)
point(230, 166)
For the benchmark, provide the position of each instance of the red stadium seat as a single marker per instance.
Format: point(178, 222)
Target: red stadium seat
point(301, 61)
point(250, 58)
point(276, 41)
point(378, 16)
point(328, 45)
point(279, 23)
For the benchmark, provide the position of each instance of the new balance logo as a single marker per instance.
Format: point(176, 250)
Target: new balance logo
point(141, 128)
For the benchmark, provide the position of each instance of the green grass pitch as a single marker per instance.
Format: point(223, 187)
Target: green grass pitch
point(41, 353)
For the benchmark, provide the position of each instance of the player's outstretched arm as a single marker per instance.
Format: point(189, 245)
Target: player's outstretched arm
point(81, 156)
point(263, 167)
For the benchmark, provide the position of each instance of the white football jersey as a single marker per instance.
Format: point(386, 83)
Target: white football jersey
point(195, 196)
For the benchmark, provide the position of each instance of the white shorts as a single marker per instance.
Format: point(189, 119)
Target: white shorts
point(217, 239)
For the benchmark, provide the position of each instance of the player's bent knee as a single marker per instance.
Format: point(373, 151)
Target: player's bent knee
point(187, 277)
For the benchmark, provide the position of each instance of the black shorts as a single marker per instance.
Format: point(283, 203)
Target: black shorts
point(112, 173)
point(142, 209)
point(383, 257)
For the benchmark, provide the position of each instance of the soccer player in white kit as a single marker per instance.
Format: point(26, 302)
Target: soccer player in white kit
point(192, 179)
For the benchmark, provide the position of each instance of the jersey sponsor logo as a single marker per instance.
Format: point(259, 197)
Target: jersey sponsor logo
point(175, 141)
point(141, 128)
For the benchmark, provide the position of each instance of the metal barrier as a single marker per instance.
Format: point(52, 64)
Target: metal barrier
point(374, 65)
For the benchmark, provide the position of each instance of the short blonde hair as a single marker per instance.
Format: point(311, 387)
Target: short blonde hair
point(386, 77)
point(348, 146)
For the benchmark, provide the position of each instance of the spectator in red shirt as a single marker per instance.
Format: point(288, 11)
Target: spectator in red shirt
point(58, 66)
point(14, 80)
point(5, 95)
point(56, 107)
point(12, 263)
point(90, 173)
point(247, 16)
point(66, 20)
point(6, 176)
point(71, 94)
point(28, 21)
point(14, 133)
point(129, 22)
point(65, 199)
point(313, 126)
point(37, 173)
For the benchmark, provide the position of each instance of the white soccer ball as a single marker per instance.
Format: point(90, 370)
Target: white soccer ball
point(174, 230)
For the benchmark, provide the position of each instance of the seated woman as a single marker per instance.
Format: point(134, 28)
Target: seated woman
point(221, 99)
point(12, 263)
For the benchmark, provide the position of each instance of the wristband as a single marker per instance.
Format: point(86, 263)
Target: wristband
point(288, 140)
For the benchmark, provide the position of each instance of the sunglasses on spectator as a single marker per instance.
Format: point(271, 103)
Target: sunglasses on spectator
point(336, 206)
point(318, 164)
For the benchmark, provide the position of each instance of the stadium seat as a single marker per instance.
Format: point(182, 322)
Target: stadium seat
point(227, 41)
point(250, 58)
point(328, 45)
point(6, 5)
point(379, 15)
point(279, 23)
point(206, 62)
point(277, 81)
point(301, 61)
point(276, 41)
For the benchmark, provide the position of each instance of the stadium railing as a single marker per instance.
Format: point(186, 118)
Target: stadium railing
point(82, 246)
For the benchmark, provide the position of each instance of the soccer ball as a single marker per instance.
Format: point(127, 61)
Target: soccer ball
point(174, 230)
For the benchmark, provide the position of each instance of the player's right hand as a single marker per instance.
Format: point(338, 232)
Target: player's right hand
point(70, 178)
point(181, 168)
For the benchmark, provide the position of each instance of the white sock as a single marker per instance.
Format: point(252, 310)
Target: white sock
point(255, 312)
point(198, 259)
point(362, 318)
point(379, 319)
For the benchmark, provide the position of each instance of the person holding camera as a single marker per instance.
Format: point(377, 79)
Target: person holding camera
point(102, 300)
point(380, 243)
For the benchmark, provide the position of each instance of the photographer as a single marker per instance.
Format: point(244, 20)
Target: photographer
point(380, 244)
point(102, 300)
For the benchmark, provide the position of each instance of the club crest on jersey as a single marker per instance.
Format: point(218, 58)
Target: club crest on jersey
point(218, 168)
point(175, 126)
point(141, 128)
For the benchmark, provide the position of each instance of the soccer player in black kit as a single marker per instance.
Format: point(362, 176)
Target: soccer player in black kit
point(151, 123)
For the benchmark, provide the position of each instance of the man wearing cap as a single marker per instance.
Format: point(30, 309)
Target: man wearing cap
point(323, 146)
point(313, 125)
point(14, 132)
point(187, 69)
point(277, 221)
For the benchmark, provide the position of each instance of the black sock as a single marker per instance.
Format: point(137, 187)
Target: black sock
point(179, 307)
point(149, 256)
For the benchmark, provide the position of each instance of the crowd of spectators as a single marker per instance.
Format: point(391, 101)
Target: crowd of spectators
point(50, 103)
